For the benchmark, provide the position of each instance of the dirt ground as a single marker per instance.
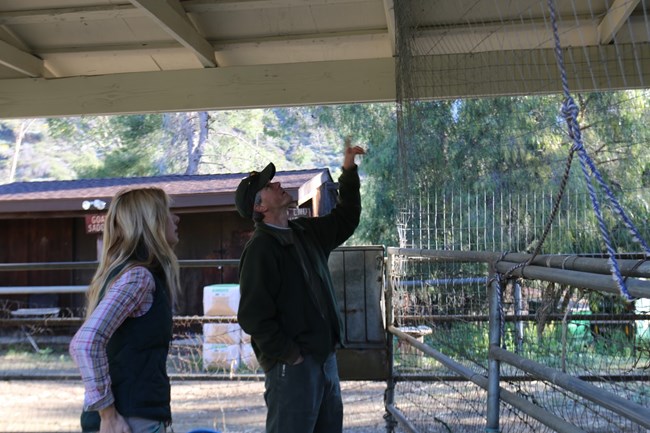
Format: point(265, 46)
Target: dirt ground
point(229, 407)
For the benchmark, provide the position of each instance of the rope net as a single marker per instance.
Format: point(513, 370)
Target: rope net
point(486, 132)
point(505, 49)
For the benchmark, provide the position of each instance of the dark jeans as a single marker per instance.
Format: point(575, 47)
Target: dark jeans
point(304, 398)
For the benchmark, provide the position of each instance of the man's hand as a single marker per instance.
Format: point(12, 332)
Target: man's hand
point(112, 421)
point(350, 153)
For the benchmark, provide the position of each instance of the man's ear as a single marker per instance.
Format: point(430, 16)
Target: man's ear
point(260, 208)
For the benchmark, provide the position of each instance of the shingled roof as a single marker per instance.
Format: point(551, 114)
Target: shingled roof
point(187, 192)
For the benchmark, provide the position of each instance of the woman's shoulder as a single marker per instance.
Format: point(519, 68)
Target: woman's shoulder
point(137, 273)
point(138, 270)
point(137, 284)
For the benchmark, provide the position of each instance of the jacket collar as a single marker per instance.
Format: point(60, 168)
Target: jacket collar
point(282, 236)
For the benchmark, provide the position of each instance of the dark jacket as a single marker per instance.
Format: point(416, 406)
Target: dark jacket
point(278, 307)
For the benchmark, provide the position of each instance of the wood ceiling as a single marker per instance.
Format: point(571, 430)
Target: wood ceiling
point(73, 57)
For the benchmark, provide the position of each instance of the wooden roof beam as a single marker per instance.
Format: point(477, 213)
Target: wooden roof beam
point(110, 11)
point(329, 39)
point(215, 6)
point(614, 19)
point(226, 88)
point(179, 27)
point(20, 61)
point(85, 13)
point(389, 9)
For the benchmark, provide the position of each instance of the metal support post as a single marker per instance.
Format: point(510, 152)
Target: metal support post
point(389, 394)
point(519, 325)
point(494, 293)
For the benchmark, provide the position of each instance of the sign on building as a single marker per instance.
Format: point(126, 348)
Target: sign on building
point(95, 223)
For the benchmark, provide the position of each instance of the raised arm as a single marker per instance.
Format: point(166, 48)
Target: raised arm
point(350, 153)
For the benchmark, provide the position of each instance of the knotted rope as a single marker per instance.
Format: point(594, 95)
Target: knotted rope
point(570, 113)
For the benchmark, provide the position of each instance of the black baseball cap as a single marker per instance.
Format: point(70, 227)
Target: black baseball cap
point(249, 187)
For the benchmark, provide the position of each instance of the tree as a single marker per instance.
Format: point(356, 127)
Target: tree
point(26, 153)
point(511, 145)
point(112, 146)
point(505, 143)
point(372, 126)
point(191, 128)
point(23, 127)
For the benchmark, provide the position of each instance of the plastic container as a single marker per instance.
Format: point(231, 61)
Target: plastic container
point(220, 300)
point(225, 333)
point(248, 357)
point(218, 356)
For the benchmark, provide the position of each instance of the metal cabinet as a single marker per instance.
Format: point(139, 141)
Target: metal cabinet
point(358, 278)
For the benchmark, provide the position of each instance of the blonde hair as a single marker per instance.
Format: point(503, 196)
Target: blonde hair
point(134, 235)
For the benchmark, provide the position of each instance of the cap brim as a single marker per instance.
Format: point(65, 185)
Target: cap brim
point(267, 174)
point(249, 187)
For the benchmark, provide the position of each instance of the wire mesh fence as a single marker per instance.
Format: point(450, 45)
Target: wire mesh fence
point(216, 380)
point(600, 338)
point(453, 219)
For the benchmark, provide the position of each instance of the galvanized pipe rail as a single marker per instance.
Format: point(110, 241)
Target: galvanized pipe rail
point(494, 368)
point(415, 377)
point(626, 408)
point(403, 420)
point(629, 267)
point(66, 266)
point(639, 288)
point(53, 322)
point(581, 274)
point(511, 398)
point(410, 318)
point(584, 272)
point(572, 262)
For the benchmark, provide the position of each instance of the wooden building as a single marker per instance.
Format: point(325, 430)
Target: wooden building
point(58, 221)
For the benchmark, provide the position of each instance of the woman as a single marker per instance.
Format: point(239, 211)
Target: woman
point(121, 349)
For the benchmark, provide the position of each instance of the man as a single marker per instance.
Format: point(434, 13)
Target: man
point(287, 300)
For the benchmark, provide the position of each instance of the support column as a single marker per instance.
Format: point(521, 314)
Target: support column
point(494, 293)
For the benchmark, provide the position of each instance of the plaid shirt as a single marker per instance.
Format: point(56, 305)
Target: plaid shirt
point(131, 295)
